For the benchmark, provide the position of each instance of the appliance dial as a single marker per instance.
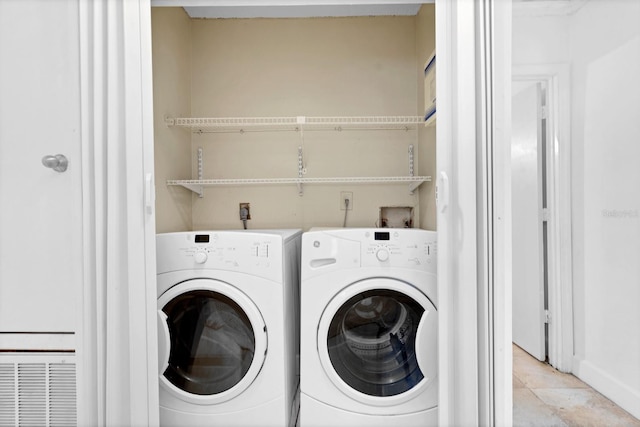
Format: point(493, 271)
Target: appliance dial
point(382, 254)
point(200, 257)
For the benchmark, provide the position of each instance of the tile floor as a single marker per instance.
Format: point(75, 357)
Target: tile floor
point(543, 396)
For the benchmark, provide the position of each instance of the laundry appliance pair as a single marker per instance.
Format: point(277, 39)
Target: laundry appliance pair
point(232, 325)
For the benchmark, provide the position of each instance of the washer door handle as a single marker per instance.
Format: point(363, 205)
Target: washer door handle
point(164, 342)
point(427, 344)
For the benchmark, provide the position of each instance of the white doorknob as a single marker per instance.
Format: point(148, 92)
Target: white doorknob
point(58, 162)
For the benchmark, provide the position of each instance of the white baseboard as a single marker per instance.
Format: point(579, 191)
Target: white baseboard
point(621, 394)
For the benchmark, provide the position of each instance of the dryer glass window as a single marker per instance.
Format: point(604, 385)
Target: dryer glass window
point(371, 342)
point(212, 342)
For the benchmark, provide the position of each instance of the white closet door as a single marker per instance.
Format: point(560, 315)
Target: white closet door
point(526, 194)
point(40, 208)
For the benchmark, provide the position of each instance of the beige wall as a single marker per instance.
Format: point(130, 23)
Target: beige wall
point(425, 45)
point(171, 38)
point(361, 66)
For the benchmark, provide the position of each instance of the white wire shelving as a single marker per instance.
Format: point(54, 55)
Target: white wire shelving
point(298, 123)
point(248, 124)
point(198, 185)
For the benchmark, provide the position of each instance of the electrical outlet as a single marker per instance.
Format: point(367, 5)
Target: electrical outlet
point(344, 197)
point(242, 212)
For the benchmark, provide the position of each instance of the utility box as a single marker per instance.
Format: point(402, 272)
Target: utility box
point(396, 217)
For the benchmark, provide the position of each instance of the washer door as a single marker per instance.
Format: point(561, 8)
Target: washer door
point(212, 342)
point(368, 341)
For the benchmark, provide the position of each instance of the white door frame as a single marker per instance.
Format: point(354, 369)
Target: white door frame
point(556, 79)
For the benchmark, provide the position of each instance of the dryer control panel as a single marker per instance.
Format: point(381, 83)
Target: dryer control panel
point(331, 249)
point(248, 252)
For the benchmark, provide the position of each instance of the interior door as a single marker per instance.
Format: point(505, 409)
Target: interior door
point(41, 207)
point(527, 219)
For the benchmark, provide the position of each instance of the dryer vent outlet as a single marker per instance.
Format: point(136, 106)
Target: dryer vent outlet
point(245, 212)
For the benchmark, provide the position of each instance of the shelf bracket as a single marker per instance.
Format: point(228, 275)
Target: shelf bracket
point(300, 170)
point(410, 159)
point(414, 185)
point(200, 172)
point(198, 189)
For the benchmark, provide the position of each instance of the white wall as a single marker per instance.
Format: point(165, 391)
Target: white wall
point(605, 47)
point(602, 43)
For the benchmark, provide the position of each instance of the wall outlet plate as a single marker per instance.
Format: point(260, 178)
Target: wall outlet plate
point(344, 196)
point(247, 207)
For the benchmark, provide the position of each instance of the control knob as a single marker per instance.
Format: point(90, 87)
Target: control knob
point(382, 254)
point(200, 257)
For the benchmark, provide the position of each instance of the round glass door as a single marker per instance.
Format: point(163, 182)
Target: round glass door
point(212, 342)
point(371, 342)
point(217, 341)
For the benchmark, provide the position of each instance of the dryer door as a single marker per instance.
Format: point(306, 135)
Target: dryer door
point(216, 338)
point(368, 345)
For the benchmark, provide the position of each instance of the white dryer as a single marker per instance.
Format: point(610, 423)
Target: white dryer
point(368, 328)
point(228, 310)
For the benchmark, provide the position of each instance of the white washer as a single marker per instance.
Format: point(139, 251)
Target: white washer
point(228, 316)
point(368, 328)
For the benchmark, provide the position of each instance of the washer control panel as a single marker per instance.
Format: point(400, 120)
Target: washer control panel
point(399, 248)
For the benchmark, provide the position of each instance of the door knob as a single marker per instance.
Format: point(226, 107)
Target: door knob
point(58, 162)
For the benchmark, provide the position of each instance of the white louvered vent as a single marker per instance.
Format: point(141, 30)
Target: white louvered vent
point(38, 394)
point(62, 394)
point(7, 394)
point(32, 394)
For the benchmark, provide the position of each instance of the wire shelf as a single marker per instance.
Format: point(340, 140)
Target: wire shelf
point(198, 185)
point(248, 124)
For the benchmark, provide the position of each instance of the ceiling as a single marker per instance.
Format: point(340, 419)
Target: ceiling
point(547, 7)
point(293, 8)
point(336, 8)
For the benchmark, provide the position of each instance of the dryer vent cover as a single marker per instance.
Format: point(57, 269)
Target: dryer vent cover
point(37, 390)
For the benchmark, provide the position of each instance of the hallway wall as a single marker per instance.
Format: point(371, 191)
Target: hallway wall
point(605, 47)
